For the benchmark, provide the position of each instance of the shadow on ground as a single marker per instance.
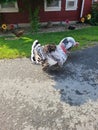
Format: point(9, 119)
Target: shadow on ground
point(77, 82)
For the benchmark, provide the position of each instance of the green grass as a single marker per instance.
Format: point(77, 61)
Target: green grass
point(22, 47)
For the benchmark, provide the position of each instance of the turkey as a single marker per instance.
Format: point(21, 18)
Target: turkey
point(52, 56)
point(18, 33)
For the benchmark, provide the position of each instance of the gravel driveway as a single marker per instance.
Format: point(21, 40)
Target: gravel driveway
point(31, 99)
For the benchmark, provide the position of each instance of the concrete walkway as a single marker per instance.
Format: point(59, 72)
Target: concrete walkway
point(31, 99)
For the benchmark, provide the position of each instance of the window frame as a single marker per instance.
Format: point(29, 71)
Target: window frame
point(71, 8)
point(9, 9)
point(55, 8)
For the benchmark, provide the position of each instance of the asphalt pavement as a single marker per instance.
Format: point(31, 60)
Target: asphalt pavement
point(31, 99)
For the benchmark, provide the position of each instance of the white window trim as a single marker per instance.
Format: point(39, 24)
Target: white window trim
point(70, 8)
point(8, 10)
point(52, 8)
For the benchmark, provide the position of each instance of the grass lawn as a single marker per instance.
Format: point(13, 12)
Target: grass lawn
point(22, 47)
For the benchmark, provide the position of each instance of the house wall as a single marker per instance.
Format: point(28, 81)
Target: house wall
point(87, 7)
point(19, 17)
point(54, 16)
point(15, 18)
point(61, 15)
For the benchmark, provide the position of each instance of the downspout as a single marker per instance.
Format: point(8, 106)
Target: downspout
point(82, 8)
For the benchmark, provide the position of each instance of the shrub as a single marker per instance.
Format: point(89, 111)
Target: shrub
point(94, 13)
point(34, 20)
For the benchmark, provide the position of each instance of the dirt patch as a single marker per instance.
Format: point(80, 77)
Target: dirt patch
point(48, 28)
point(60, 28)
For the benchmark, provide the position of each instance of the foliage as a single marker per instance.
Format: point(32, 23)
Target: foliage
point(94, 12)
point(93, 17)
point(34, 20)
point(4, 1)
point(49, 1)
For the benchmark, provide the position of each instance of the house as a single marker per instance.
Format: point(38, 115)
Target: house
point(55, 11)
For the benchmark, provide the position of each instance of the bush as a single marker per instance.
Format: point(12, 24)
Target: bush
point(94, 13)
point(34, 20)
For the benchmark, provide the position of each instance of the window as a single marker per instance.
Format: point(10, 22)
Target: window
point(95, 0)
point(71, 4)
point(53, 5)
point(8, 7)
